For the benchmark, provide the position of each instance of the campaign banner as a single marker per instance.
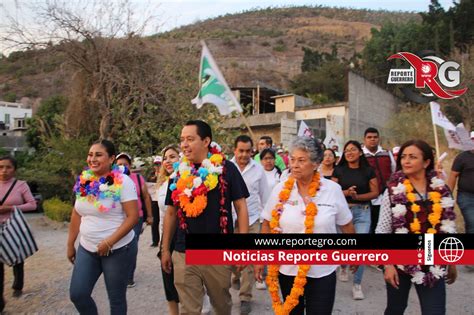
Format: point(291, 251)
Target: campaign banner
point(329, 249)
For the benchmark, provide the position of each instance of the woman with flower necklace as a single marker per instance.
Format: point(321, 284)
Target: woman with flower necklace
point(105, 213)
point(305, 203)
point(169, 157)
point(417, 201)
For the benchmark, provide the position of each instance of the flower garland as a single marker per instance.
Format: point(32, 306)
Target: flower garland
point(439, 220)
point(190, 185)
point(300, 280)
point(92, 189)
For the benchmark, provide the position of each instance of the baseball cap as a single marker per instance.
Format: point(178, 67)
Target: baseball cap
point(157, 160)
point(124, 155)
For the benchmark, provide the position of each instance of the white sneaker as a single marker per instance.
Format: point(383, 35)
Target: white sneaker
point(343, 275)
point(357, 293)
point(260, 285)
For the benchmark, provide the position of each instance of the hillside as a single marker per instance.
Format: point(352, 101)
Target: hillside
point(264, 45)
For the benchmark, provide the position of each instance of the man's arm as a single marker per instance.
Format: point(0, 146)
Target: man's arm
point(453, 176)
point(242, 215)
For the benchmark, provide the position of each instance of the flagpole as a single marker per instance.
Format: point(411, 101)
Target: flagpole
point(252, 135)
point(436, 140)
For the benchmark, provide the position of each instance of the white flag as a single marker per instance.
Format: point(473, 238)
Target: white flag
point(305, 131)
point(439, 118)
point(213, 87)
point(459, 138)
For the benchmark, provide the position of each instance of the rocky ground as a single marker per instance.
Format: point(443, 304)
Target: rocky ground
point(47, 275)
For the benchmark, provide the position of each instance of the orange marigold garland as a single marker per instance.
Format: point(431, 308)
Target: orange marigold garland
point(190, 185)
point(300, 280)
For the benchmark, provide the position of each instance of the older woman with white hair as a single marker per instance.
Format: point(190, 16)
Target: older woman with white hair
point(305, 203)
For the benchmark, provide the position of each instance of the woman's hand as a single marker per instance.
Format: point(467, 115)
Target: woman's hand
point(452, 274)
point(391, 276)
point(71, 253)
point(166, 262)
point(6, 209)
point(104, 248)
point(149, 220)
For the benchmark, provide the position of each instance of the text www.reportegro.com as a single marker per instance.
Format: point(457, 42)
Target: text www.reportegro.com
point(309, 241)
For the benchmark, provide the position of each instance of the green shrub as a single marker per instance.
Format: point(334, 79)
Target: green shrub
point(57, 210)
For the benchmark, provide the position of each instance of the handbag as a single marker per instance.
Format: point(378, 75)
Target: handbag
point(16, 240)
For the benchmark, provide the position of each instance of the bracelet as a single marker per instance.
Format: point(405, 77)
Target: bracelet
point(109, 250)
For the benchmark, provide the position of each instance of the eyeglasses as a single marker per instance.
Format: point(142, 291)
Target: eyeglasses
point(351, 150)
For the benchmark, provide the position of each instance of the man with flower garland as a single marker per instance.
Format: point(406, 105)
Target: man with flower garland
point(256, 181)
point(200, 195)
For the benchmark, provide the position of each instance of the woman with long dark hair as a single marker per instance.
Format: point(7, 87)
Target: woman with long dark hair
point(417, 201)
point(328, 164)
point(170, 155)
point(359, 185)
point(105, 213)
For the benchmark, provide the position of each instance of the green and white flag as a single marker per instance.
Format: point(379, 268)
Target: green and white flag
point(213, 87)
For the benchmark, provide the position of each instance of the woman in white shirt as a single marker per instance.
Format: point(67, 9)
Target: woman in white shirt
point(272, 172)
point(169, 157)
point(105, 212)
point(305, 203)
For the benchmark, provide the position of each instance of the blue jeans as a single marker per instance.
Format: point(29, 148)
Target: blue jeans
point(138, 230)
point(87, 269)
point(432, 300)
point(361, 220)
point(466, 204)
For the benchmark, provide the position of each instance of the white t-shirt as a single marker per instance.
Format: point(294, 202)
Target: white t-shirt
point(161, 196)
point(332, 210)
point(96, 226)
point(256, 182)
point(273, 178)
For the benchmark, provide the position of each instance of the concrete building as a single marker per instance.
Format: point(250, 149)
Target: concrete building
point(368, 105)
point(13, 125)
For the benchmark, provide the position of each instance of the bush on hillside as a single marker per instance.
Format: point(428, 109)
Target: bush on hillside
point(57, 210)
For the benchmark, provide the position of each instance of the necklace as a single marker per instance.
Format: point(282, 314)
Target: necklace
point(91, 188)
point(440, 216)
point(300, 280)
point(190, 186)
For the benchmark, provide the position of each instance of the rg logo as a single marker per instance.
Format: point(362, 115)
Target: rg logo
point(430, 72)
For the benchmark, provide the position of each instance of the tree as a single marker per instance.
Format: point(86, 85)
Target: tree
point(326, 84)
point(45, 125)
point(100, 40)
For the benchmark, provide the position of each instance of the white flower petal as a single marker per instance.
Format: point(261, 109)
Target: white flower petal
point(197, 182)
point(437, 271)
point(447, 202)
point(402, 230)
point(104, 187)
point(418, 277)
point(399, 210)
point(206, 163)
point(188, 192)
point(437, 183)
point(399, 189)
point(448, 226)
